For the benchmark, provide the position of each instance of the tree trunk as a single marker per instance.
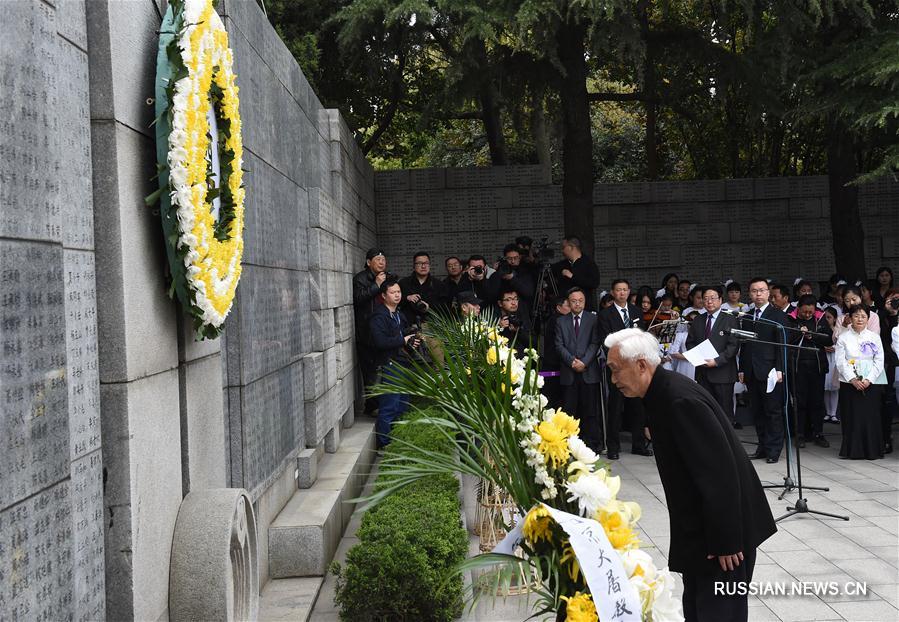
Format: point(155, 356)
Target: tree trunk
point(577, 141)
point(651, 141)
point(845, 219)
point(539, 131)
point(493, 124)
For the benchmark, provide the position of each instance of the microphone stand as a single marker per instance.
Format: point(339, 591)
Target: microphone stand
point(801, 505)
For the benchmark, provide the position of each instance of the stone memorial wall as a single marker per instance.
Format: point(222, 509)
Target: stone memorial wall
point(703, 230)
point(51, 467)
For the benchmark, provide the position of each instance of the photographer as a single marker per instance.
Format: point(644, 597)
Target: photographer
point(577, 270)
point(390, 340)
point(514, 325)
point(421, 292)
point(510, 276)
point(366, 298)
point(475, 278)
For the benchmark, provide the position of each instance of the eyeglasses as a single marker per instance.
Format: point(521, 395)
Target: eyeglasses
point(422, 263)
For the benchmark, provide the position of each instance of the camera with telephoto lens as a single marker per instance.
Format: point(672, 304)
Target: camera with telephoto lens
point(503, 267)
point(894, 303)
point(514, 320)
point(478, 270)
point(415, 347)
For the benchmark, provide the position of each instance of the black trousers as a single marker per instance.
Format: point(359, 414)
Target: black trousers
point(723, 392)
point(620, 409)
point(369, 370)
point(581, 401)
point(552, 389)
point(808, 388)
point(767, 415)
point(703, 604)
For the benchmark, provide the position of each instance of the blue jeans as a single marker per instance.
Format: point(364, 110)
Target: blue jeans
point(390, 406)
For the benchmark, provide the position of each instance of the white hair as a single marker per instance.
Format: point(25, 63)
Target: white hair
point(635, 344)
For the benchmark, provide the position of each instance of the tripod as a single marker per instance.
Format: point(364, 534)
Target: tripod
point(546, 286)
point(801, 505)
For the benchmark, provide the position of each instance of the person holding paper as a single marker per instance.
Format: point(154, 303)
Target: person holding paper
point(757, 360)
point(716, 505)
point(719, 374)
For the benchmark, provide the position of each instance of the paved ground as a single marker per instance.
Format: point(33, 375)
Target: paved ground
point(806, 548)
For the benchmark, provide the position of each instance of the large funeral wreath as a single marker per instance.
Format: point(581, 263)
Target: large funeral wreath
point(199, 156)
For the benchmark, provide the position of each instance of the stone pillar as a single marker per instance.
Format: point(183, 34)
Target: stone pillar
point(138, 324)
point(51, 519)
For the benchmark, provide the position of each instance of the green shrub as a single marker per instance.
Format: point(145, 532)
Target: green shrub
point(408, 545)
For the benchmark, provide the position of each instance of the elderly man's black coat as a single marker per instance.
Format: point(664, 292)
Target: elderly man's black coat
point(716, 503)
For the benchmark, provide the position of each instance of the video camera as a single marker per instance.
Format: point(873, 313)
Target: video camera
point(542, 250)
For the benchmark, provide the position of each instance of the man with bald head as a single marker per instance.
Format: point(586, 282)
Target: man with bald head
point(717, 508)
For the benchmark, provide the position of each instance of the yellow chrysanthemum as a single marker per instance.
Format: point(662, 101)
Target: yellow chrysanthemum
point(580, 608)
point(493, 356)
point(570, 559)
point(553, 443)
point(538, 525)
point(568, 425)
point(617, 529)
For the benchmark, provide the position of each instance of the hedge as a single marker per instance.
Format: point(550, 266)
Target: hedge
point(408, 546)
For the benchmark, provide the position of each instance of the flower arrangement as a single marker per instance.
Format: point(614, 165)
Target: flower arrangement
point(200, 159)
point(491, 404)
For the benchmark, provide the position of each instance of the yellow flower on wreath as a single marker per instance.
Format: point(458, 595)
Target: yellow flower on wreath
point(553, 443)
point(538, 525)
point(617, 529)
point(580, 608)
point(568, 425)
point(569, 559)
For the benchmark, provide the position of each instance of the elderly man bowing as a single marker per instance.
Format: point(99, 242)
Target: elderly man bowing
point(717, 508)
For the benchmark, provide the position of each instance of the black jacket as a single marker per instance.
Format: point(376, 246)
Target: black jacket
point(481, 289)
point(716, 504)
point(610, 320)
point(387, 338)
point(803, 358)
point(521, 283)
point(432, 291)
point(726, 345)
point(585, 274)
point(366, 298)
point(757, 359)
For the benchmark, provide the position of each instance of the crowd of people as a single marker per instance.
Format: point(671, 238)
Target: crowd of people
point(820, 358)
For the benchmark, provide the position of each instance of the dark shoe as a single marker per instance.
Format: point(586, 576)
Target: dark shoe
point(612, 455)
point(757, 456)
point(772, 460)
point(800, 442)
point(738, 425)
point(641, 451)
point(888, 447)
point(820, 441)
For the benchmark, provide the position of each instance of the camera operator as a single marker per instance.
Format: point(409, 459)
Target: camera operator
point(390, 339)
point(513, 324)
point(475, 278)
point(577, 270)
point(454, 274)
point(509, 276)
point(421, 292)
point(366, 298)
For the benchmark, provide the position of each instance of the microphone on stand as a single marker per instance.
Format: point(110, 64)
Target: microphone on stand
point(736, 332)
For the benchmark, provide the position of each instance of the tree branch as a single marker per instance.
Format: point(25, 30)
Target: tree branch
point(616, 97)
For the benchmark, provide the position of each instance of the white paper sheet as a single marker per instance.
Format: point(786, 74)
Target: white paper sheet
point(698, 355)
point(772, 380)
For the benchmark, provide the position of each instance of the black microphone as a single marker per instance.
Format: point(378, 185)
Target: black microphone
point(744, 334)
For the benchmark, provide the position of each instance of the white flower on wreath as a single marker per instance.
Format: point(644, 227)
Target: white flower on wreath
point(590, 492)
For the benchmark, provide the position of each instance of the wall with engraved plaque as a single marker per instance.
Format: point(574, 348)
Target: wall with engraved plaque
point(51, 467)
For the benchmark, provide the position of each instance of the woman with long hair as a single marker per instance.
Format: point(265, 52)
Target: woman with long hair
point(859, 358)
point(883, 283)
point(669, 286)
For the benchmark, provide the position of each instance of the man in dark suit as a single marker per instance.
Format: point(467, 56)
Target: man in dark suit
point(808, 369)
point(618, 316)
point(577, 342)
point(718, 375)
point(716, 505)
point(756, 362)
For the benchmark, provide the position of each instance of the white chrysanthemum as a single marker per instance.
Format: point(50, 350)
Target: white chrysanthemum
point(580, 452)
point(633, 558)
point(590, 492)
point(665, 607)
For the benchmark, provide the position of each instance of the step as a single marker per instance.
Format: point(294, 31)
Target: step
point(303, 538)
point(289, 600)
